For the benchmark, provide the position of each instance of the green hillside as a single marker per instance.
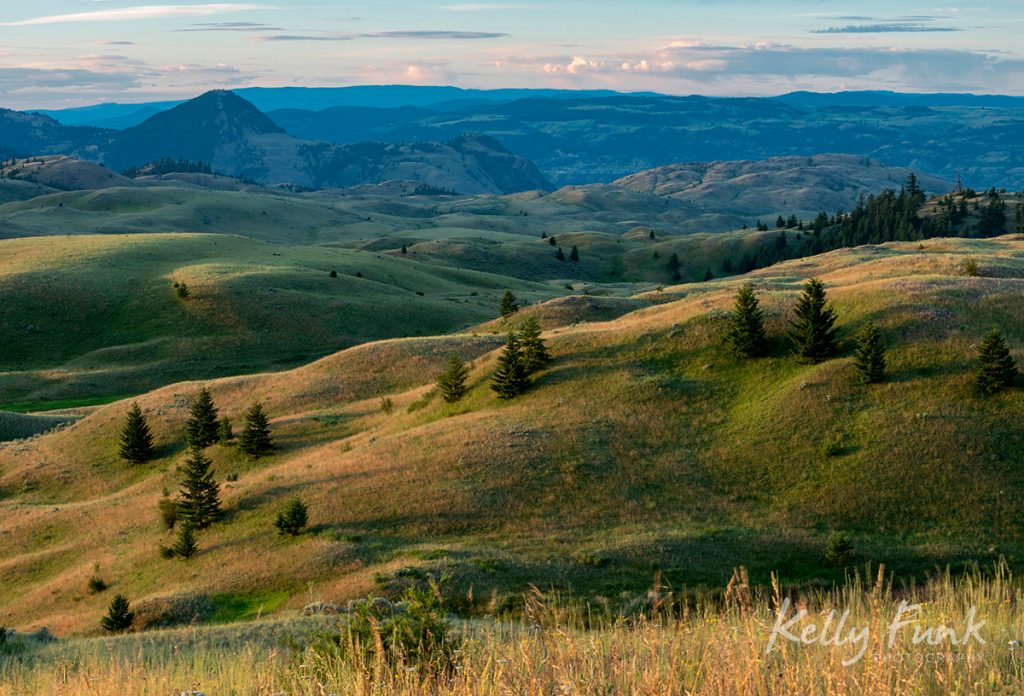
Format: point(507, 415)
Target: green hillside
point(642, 449)
point(99, 315)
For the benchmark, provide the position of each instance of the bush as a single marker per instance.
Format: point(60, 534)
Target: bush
point(838, 549)
point(970, 267)
point(387, 406)
point(414, 632)
point(292, 520)
point(832, 446)
point(168, 513)
point(96, 584)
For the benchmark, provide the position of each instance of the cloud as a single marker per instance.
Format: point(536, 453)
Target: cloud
point(884, 29)
point(764, 67)
point(230, 26)
point(425, 35)
point(487, 6)
point(136, 13)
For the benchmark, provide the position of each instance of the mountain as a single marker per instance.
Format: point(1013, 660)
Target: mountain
point(227, 132)
point(114, 115)
point(589, 140)
point(198, 130)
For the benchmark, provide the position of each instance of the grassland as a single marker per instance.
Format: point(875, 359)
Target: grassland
point(715, 647)
point(98, 316)
point(642, 450)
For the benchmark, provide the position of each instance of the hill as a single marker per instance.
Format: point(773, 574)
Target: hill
point(99, 316)
point(642, 449)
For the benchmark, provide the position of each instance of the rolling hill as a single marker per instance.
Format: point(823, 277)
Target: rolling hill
point(642, 449)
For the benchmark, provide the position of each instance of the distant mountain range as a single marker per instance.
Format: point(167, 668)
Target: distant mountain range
point(235, 138)
point(323, 137)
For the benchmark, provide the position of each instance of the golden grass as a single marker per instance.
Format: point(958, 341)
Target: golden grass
point(718, 648)
point(641, 443)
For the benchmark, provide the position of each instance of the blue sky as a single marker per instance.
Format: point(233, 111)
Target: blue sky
point(58, 53)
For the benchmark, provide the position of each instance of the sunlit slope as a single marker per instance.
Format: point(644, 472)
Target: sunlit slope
point(643, 449)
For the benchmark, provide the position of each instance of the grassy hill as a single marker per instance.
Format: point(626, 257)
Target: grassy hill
point(99, 315)
point(643, 449)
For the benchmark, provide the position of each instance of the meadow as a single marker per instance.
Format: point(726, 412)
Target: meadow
point(642, 449)
point(719, 647)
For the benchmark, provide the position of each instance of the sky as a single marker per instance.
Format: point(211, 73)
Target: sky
point(65, 53)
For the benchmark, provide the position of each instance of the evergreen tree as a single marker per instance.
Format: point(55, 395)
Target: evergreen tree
point(452, 382)
point(508, 305)
point(510, 378)
point(201, 429)
point(293, 518)
point(746, 334)
point(998, 369)
point(535, 353)
point(185, 545)
point(813, 332)
point(870, 357)
point(199, 498)
point(225, 433)
point(559, 254)
point(255, 438)
point(405, 249)
point(708, 275)
point(673, 262)
point(574, 255)
point(552, 241)
point(136, 443)
point(119, 615)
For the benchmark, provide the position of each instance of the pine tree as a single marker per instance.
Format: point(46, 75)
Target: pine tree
point(998, 369)
point(574, 255)
point(185, 545)
point(452, 382)
point(225, 433)
point(535, 353)
point(199, 498)
point(870, 357)
point(552, 241)
point(510, 378)
point(746, 334)
point(813, 332)
point(560, 255)
point(508, 305)
point(255, 438)
point(673, 262)
point(119, 615)
point(708, 275)
point(201, 429)
point(405, 250)
point(136, 438)
point(293, 518)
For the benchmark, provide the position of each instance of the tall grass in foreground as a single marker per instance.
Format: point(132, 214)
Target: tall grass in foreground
point(711, 648)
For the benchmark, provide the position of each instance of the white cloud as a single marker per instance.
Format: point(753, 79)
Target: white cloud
point(135, 13)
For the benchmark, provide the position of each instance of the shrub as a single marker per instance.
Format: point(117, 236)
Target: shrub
point(413, 632)
point(168, 513)
point(838, 549)
point(182, 291)
point(387, 406)
point(96, 584)
point(292, 520)
point(832, 446)
point(970, 267)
